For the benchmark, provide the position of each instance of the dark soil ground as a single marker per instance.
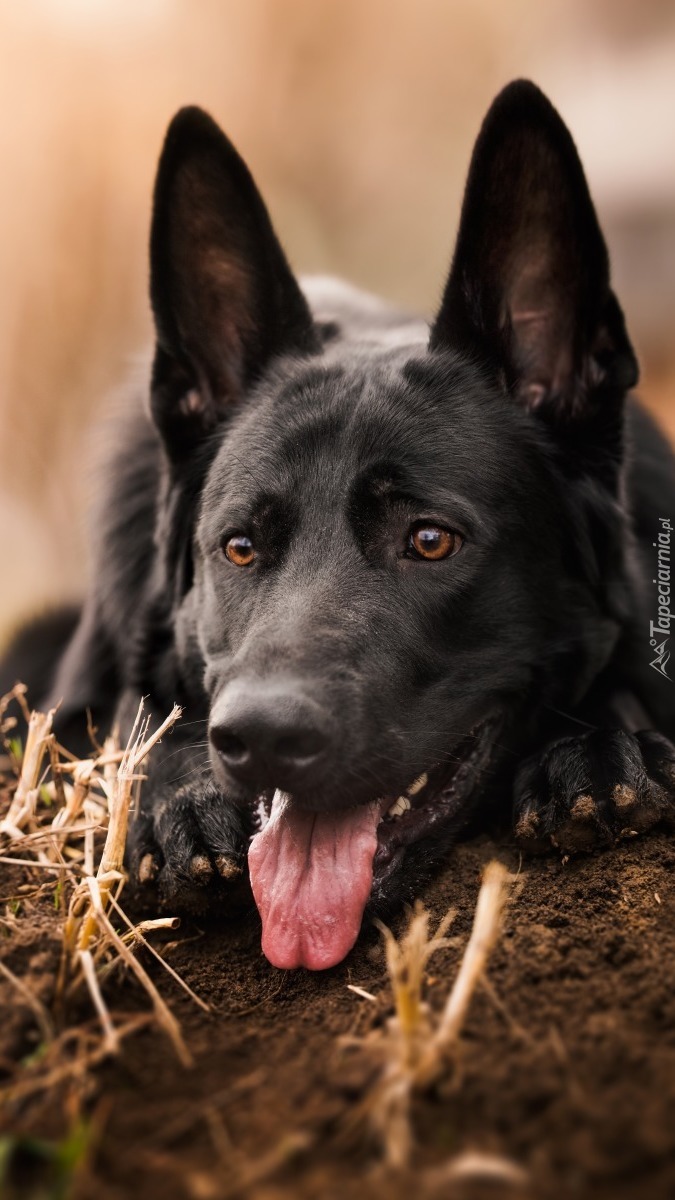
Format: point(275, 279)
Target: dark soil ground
point(567, 1064)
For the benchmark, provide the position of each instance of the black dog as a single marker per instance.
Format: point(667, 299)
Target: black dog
point(387, 572)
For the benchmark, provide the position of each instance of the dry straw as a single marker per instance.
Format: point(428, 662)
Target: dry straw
point(416, 1047)
point(54, 824)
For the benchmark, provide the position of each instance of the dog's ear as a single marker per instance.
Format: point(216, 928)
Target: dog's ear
point(528, 293)
point(223, 295)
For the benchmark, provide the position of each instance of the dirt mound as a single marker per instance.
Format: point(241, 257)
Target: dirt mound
point(567, 1067)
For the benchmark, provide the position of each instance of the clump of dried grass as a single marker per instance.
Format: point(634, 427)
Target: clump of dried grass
point(416, 1046)
point(21, 812)
point(68, 819)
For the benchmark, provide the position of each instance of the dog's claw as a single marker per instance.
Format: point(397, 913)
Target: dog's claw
point(528, 832)
point(148, 869)
point(228, 867)
point(624, 798)
point(201, 869)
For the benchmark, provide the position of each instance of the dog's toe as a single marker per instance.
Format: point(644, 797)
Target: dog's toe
point(582, 827)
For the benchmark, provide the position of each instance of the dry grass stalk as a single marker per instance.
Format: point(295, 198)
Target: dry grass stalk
point(248, 1174)
point(18, 694)
point(487, 923)
point(42, 1017)
point(29, 862)
point(407, 961)
point(416, 1047)
point(477, 1166)
point(74, 797)
point(22, 808)
point(48, 834)
point(111, 1041)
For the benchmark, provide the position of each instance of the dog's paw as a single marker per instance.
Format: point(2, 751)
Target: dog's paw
point(187, 845)
point(583, 792)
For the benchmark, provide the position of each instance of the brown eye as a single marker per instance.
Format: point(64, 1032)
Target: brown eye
point(433, 542)
point(239, 550)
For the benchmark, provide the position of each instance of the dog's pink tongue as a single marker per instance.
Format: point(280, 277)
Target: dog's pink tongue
point(311, 875)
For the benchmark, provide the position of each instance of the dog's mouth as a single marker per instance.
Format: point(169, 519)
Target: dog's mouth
point(313, 873)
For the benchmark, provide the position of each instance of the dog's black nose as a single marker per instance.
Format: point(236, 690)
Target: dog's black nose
point(271, 735)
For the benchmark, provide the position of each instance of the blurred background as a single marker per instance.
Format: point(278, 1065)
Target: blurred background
point(357, 118)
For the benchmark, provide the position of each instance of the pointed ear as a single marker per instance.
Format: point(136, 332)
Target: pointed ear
point(223, 296)
point(528, 292)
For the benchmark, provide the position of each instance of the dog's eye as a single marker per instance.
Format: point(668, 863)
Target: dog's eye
point(433, 542)
point(239, 550)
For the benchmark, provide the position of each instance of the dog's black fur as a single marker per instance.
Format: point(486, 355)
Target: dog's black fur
point(323, 427)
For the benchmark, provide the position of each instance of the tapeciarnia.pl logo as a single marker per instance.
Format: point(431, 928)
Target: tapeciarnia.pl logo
point(661, 625)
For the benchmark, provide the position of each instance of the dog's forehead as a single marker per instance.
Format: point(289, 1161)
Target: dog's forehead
point(317, 430)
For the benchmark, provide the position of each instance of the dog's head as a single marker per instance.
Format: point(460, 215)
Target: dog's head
point(405, 548)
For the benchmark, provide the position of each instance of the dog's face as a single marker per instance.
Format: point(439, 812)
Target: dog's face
point(403, 552)
point(378, 540)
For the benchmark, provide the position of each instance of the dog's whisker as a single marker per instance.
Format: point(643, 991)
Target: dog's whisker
point(188, 750)
point(570, 717)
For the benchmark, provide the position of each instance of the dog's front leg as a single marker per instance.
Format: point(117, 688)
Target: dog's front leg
point(187, 840)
